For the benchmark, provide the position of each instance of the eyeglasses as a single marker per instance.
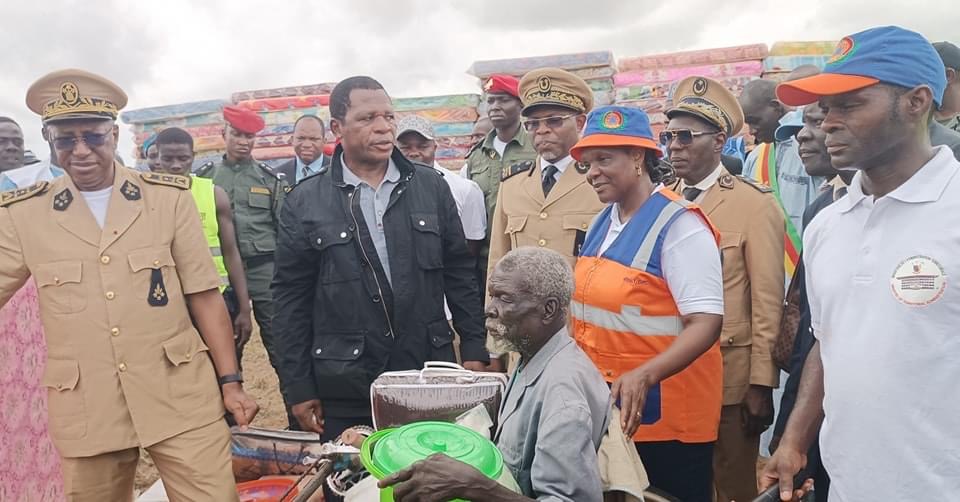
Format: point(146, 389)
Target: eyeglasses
point(684, 136)
point(91, 139)
point(551, 122)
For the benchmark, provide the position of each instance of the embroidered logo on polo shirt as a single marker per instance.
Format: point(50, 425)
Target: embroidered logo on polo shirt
point(918, 281)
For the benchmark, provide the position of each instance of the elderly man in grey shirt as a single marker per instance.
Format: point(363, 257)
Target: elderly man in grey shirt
point(557, 406)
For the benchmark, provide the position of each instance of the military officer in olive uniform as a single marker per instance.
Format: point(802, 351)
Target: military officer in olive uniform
point(121, 265)
point(256, 193)
point(546, 202)
point(751, 227)
point(505, 144)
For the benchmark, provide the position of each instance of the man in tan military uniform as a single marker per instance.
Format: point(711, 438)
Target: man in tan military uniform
point(546, 202)
point(751, 227)
point(121, 264)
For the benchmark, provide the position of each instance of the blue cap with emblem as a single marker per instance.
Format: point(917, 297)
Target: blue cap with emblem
point(888, 54)
point(616, 126)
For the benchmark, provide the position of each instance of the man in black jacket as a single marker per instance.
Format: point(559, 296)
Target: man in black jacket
point(367, 249)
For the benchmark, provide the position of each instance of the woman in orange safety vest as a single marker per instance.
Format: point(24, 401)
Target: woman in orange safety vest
point(648, 303)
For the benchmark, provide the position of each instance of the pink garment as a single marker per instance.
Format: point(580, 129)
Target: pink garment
point(29, 463)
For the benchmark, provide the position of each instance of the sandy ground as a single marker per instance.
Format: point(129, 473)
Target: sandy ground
point(261, 383)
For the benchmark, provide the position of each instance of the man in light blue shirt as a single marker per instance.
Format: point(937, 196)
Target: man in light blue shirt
point(795, 189)
point(309, 136)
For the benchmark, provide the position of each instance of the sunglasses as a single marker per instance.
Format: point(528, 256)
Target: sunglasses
point(91, 139)
point(551, 122)
point(683, 136)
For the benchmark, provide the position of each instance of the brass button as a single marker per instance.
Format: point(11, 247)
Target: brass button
point(105, 259)
point(356, 351)
point(122, 367)
point(319, 351)
point(542, 242)
point(110, 295)
point(319, 241)
point(543, 216)
point(156, 263)
point(730, 340)
point(343, 235)
point(115, 331)
point(422, 223)
point(583, 226)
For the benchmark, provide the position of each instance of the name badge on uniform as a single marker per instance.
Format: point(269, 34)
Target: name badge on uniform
point(157, 297)
point(262, 190)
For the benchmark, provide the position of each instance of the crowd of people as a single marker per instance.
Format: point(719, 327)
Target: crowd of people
point(644, 291)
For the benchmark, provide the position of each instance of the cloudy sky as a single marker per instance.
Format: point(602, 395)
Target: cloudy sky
point(172, 51)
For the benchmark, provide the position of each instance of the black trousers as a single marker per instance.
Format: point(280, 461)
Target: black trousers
point(682, 470)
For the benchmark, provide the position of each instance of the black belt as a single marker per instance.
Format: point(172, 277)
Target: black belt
point(256, 261)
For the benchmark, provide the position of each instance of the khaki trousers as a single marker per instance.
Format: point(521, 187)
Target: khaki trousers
point(735, 458)
point(196, 466)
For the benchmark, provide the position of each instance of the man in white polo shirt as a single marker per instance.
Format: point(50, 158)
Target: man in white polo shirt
point(887, 360)
point(415, 139)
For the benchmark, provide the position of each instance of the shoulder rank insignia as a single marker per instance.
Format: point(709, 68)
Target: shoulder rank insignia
point(760, 187)
point(267, 169)
point(130, 191)
point(726, 181)
point(204, 169)
point(476, 146)
point(515, 169)
point(170, 180)
point(11, 196)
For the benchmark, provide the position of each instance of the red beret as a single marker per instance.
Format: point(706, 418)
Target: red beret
point(243, 120)
point(504, 84)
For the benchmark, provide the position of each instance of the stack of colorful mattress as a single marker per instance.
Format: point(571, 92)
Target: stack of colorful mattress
point(274, 144)
point(784, 57)
point(596, 68)
point(202, 119)
point(647, 82)
point(280, 108)
point(452, 117)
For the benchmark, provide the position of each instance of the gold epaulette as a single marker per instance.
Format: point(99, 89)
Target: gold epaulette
point(760, 187)
point(170, 180)
point(9, 197)
point(515, 169)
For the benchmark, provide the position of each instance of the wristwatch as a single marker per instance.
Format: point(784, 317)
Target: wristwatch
point(233, 377)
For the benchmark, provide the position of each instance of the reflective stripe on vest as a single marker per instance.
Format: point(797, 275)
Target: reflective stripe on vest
point(624, 315)
point(203, 195)
point(630, 319)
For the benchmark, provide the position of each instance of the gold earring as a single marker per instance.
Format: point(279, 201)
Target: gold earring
point(639, 169)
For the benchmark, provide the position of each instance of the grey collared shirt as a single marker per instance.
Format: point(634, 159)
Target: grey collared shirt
point(373, 204)
point(553, 417)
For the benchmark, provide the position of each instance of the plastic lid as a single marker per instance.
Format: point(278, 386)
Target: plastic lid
point(399, 448)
